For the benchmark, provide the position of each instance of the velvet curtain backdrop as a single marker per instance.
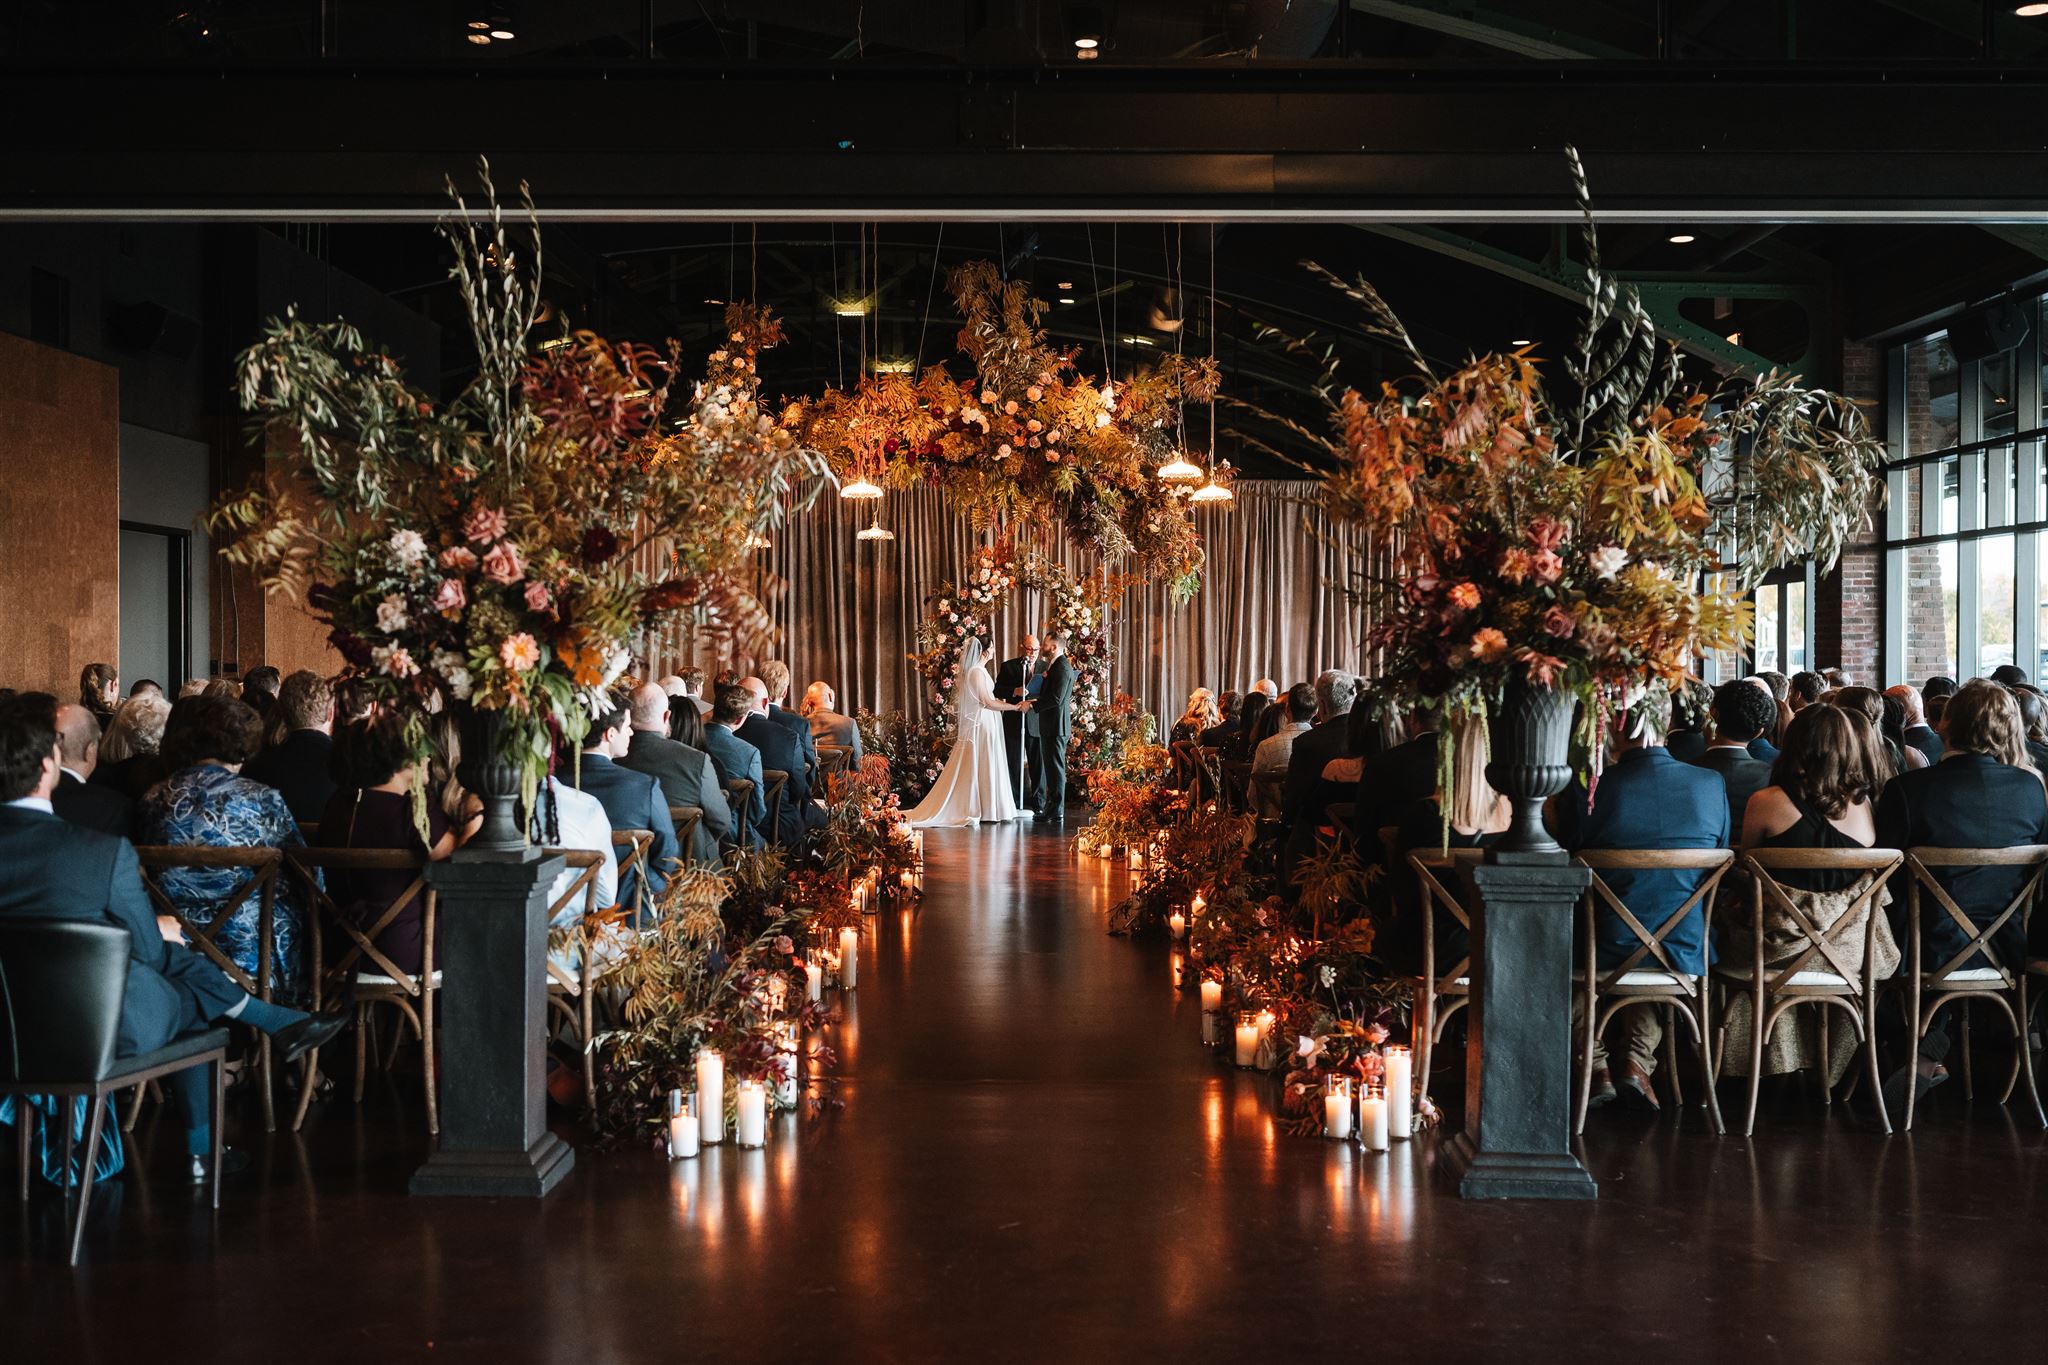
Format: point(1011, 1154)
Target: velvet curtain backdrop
point(1273, 601)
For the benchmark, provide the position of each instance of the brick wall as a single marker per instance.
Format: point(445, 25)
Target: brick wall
point(1849, 603)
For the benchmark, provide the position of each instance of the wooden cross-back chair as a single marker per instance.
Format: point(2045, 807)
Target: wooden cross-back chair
point(686, 819)
point(777, 784)
point(573, 994)
point(1648, 975)
point(2002, 984)
point(359, 971)
point(834, 759)
point(263, 865)
point(1821, 970)
point(739, 793)
point(1445, 987)
point(1237, 784)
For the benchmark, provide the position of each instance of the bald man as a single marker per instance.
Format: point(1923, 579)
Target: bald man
point(688, 776)
point(1918, 733)
point(775, 681)
point(85, 803)
point(781, 753)
point(1269, 687)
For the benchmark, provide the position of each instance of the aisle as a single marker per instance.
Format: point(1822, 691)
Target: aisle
point(1036, 1162)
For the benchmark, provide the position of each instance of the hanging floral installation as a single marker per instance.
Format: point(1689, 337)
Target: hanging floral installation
point(1029, 438)
point(487, 551)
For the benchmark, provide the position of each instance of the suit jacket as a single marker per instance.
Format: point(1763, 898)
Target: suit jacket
point(1762, 750)
point(636, 801)
point(1745, 777)
point(52, 869)
point(93, 806)
point(1312, 752)
point(1924, 738)
point(1055, 707)
point(1686, 745)
point(738, 760)
point(1393, 783)
point(1013, 676)
point(829, 727)
point(801, 730)
point(779, 752)
point(688, 778)
point(1647, 799)
point(298, 766)
point(1965, 801)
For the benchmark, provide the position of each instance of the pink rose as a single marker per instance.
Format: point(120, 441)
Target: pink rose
point(1557, 621)
point(483, 524)
point(537, 598)
point(502, 564)
point(460, 558)
point(449, 596)
point(1545, 566)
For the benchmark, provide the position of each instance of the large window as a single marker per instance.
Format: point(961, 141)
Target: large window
point(1966, 584)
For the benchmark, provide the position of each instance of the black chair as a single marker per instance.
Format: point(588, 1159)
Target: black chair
point(61, 987)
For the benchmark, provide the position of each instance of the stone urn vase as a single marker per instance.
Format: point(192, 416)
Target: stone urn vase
point(1530, 762)
point(494, 780)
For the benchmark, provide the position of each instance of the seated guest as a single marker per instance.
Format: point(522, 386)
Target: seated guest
point(2034, 715)
point(1915, 730)
point(1274, 758)
point(2009, 675)
point(827, 725)
point(298, 761)
point(1267, 688)
point(1238, 748)
point(1397, 778)
point(207, 803)
point(129, 762)
point(1821, 796)
point(1644, 800)
point(193, 687)
point(1740, 714)
point(1329, 738)
point(463, 810)
point(688, 683)
point(260, 687)
point(576, 820)
point(1894, 730)
point(775, 680)
point(1936, 708)
point(1199, 716)
point(1763, 746)
point(77, 798)
point(51, 869)
point(99, 691)
point(690, 775)
point(146, 687)
point(1940, 685)
point(738, 761)
point(631, 800)
point(1687, 736)
point(780, 753)
point(1477, 816)
point(1868, 703)
point(225, 689)
point(1806, 689)
point(371, 808)
point(1228, 713)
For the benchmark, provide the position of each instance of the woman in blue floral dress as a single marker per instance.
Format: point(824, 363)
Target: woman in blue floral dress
point(206, 802)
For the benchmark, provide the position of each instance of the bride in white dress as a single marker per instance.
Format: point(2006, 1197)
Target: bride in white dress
point(975, 783)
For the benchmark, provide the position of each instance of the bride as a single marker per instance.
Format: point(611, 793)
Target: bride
point(975, 783)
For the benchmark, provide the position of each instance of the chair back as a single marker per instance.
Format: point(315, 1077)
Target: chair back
point(740, 792)
point(1442, 878)
point(834, 759)
point(585, 862)
point(1830, 943)
point(686, 819)
point(1650, 943)
point(1237, 784)
point(263, 865)
point(356, 933)
point(1922, 861)
point(61, 986)
point(639, 842)
point(777, 782)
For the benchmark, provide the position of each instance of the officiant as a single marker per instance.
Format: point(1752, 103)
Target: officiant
point(1017, 680)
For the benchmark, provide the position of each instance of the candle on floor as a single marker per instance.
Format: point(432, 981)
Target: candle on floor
point(1372, 1120)
point(907, 880)
point(1197, 905)
point(778, 993)
point(682, 1127)
point(750, 1126)
point(1269, 1047)
point(1247, 1039)
point(1209, 1018)
point(1179, 965)
point(1337, 1108)
point(814, 978)
point(917, 845)
point(860, 897)
point(1137, 858)
point(1400, 1092)
point(1212, 996)
point(849, 958)
point(711, 1093)
point(1177, 923)
point(785, 1065)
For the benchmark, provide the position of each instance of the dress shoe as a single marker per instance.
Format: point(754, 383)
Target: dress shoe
point(315, 1030)
point(1603, 1088)
point(1635, 1090)
point(232, 1162)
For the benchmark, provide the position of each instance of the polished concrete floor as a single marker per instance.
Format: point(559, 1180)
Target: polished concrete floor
point(1036, 1162)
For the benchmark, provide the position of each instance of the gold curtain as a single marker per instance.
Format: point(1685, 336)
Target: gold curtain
point(1273, 601)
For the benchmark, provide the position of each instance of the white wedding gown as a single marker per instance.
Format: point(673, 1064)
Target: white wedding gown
point(975, 783)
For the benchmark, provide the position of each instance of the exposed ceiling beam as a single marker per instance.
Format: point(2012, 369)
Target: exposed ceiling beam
point(1490, 28)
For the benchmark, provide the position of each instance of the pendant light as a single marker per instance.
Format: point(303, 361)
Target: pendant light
point(1212, 493)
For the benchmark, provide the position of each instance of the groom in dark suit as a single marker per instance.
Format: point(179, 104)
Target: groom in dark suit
point(1055, 716)
point(1016, 680)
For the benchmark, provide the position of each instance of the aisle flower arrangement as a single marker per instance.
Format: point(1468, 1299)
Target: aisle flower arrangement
point(1029, 438)
point(910, 751)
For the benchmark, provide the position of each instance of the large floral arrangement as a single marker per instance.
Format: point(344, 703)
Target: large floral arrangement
point(1580, 545)
point(910, 752)
point(1029, 438)
point(493, 550)
point(963, 611)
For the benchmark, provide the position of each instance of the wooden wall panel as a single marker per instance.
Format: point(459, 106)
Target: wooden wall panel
point(60, 516)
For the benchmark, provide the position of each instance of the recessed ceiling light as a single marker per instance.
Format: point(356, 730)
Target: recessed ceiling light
point(1086, 54)
point(1521, 341)
point(2031, 11)
point(480, 39)
point(1680, 238)
point(1066, 285)
point(1066, 298)
point(503, 35)
point(480, 25)
point(1088, 42)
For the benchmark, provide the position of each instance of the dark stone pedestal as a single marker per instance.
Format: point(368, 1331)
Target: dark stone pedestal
point(494, 938)
point(1517, 1138)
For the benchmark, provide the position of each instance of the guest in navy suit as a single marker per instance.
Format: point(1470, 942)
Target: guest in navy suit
point(52, 869)
point(775, 680)
point(781, 753)
point(738, 760)
point(1646, 799)
point(1741, 714)
point(631, 800)
point(1762, 747)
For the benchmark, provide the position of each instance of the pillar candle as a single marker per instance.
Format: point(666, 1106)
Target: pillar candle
point(682, 1127)
point(849, 958)
point(785, 1065)
point(1178, 923)
point(907, 879)
point(1212, 996)
point(1209, 1027)
point(1337, 1109)
point(750, 1127)
point(1137, 859)
point(814, 979)
point(1198, 905)
point(1372, 1121)
point(1400, 1092)
point(860, 897)
point(1247, 1040)
point(711, 1093)
point(1265, 1018)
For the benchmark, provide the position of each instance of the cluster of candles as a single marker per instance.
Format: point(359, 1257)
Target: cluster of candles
point(698, 1121)
point(1385, 1111)
point(1254, 1029)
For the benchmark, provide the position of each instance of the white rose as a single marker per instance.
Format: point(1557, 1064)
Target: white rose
point(407, 548)
point(391, 617)
point(1607, 561)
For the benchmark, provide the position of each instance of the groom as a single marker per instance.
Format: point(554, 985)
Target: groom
point(1055, 716)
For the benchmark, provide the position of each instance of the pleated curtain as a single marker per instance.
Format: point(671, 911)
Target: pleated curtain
point(1274, 600)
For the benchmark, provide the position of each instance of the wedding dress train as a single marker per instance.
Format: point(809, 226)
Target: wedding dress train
point(975, 783)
